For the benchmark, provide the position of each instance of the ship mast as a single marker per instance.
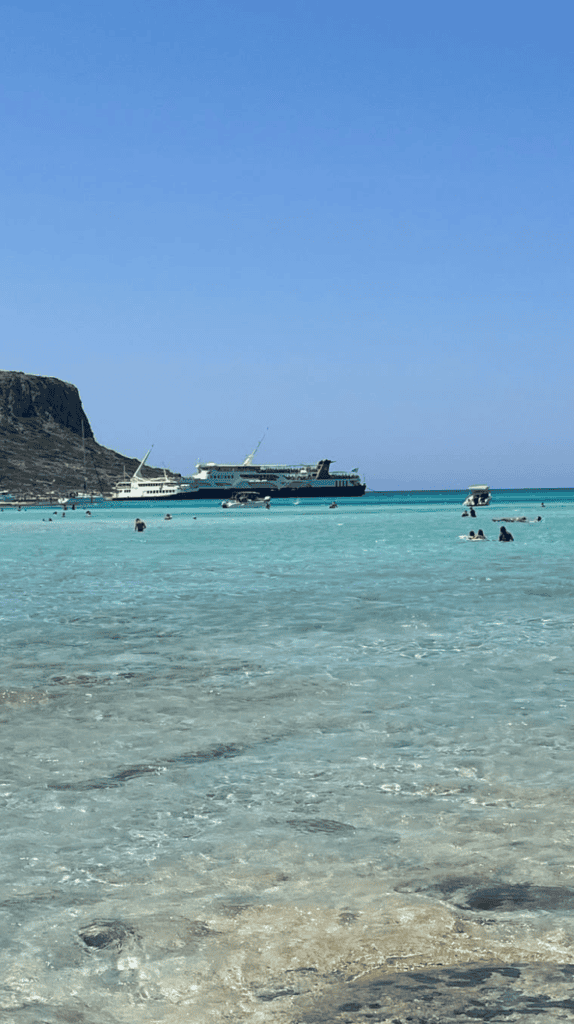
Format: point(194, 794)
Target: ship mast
point(249, 458)
point(138, 473)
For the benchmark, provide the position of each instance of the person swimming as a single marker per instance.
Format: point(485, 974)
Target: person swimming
point(168, 516)
point(480, 536)
point(518, 519)
point(504, 534)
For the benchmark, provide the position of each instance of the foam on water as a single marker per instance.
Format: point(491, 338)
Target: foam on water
point(249, 754)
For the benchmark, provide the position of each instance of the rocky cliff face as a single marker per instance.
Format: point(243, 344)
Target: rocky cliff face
point(41, 446)
point(46, 400)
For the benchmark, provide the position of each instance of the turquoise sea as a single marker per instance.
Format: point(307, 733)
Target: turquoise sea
point(254, 760)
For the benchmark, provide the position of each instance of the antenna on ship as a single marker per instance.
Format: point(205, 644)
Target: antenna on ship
point(249, 458)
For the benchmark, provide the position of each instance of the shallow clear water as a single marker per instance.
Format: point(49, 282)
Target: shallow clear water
point(246, 750)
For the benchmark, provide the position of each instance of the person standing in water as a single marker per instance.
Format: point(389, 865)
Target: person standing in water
point(504, 534)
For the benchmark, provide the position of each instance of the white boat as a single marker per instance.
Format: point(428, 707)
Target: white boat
point(479, 495)
point(247, 499)
point(80, 496)
point(140, 488)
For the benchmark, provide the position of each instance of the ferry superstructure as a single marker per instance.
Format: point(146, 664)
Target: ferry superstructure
point(315, 480)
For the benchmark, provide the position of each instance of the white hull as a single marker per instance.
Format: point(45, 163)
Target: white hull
point(479, 497)
point(477, 504)
point(244, 502)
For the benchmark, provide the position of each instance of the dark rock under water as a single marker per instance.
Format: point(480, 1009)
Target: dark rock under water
point(108, 935)
point(497, 896)
point(449, 995)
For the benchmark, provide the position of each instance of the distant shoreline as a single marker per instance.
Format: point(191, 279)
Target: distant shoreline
point(500, 496)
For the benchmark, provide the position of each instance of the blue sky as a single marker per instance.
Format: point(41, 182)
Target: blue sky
point(350, 223)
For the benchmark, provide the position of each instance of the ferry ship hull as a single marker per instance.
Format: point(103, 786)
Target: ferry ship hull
point(211, 493)
point(280, 492)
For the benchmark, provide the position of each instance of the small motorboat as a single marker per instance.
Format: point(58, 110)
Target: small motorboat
point(247, 499)
point(478, 496)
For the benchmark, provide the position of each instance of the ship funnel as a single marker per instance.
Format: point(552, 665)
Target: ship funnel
point(323, 469)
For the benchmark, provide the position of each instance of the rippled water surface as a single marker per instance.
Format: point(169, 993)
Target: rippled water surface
point(250, 756)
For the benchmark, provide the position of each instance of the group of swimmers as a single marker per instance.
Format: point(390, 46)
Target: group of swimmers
point(504, 534)
point(140, 526)
point(50, 520)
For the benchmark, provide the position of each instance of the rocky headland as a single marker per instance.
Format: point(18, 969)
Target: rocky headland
point(47, 446)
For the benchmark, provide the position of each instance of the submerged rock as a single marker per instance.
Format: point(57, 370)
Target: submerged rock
point(449, 995)
point(319, 825)
point(108, 935)
point(520, 897)
point(476, 894)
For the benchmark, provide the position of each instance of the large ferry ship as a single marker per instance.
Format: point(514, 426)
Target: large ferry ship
point(315, 480)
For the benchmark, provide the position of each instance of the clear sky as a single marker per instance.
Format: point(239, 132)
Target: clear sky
point(349, 222)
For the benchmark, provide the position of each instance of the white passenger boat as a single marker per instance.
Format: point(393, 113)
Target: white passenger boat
point(140, 488)
point(478, 495)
